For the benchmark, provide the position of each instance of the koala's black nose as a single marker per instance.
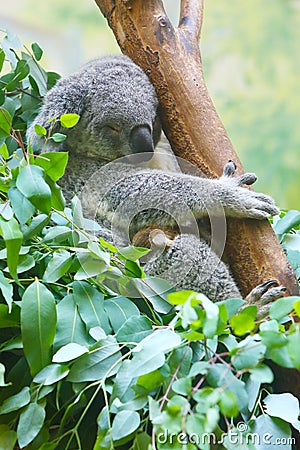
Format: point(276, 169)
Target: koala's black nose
point(141, 140)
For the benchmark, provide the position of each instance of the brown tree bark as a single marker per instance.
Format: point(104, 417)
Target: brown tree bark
point(171, 58)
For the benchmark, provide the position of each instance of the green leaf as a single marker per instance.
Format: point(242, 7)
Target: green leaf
point(274, 431)
point(244, 322)
point(7, 290)
point(70, 327)
point(151, 380)
point(119, 309)
point(51, 374)
point(16, 401)
point(69, 352)
point(40, 131)
point(124, 424)
point(13, 238)
point(232, 305)
point(57, 199)
point(58, 265)
point(69, 120)
point(156, 290)
point(90, 266)
point(4, 150)
point(134, 329)
point(149, 353)
point(210, 322)
point(142, 441)
point(22, 207)
point(37, 74)
point(31, 183)
point(26, 262)
point(99, 363)
point(285, 406)
point(199, 367)
point(183, 386)
point(2, 58)
point(220, 376)
point(8, 438)
point(248, 353)
point(297, 307)
point(9, 319)
point(37, 51)
point(262, 374)
point(289, 221)
point(53, 163)
point(58, 234)
point(294, 343)
point(35, 227)
point(133, 253)
point(58, 137)
point(229, 404)
point(90, 304)
point(282, 307)
point(38, 321)
point(30, 423)
point(5, 123)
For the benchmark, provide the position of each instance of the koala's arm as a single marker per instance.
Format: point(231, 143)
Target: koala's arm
point(180, 194)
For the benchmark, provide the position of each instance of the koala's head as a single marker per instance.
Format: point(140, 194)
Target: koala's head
point(117, 105)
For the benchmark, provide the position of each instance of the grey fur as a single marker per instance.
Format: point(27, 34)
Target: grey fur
point(114, 91)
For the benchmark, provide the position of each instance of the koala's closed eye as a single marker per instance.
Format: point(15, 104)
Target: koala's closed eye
point(111, 129)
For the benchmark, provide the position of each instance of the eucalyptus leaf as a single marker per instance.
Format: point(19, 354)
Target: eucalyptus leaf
point(53, 163)
point(51, 374)
point(30, 423)
point(7, 290)
point(16, 401)
point(101, 362)
point(13, 238)
point(22, 207)
point(59, 264)
point(32, 185)
point(38, 321)
point(90, 304)
point(125, 423)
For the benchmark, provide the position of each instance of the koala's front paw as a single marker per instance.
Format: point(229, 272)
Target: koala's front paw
point(241, 202)
point(263, 295)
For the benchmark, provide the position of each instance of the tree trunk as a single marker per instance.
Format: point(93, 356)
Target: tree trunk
point(171, 58)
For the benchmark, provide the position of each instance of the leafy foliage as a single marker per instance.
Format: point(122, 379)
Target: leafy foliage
point(95, 354)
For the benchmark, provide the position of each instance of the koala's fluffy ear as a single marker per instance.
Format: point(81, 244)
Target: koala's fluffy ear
point(68, 96)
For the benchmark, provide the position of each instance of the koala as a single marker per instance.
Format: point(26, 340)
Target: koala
point(129, 183)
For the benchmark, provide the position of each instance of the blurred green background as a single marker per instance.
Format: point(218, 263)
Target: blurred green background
point(250, 51)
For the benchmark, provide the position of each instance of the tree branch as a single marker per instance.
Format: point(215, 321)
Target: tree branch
point(172, 61)
point(191, 17)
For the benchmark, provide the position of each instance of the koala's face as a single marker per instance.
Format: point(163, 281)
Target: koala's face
point(117, 105)
point(119, 115)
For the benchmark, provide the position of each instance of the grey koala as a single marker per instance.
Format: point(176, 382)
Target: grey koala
point(119, 117)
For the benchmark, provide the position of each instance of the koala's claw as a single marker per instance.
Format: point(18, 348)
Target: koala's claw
point(259, 291)
point(242, 202)
point(263, 295)
point(229, 169)
point(246, 178)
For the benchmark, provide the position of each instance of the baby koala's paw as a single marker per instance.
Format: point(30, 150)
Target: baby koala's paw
point(264, 295)
point(244, 203)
